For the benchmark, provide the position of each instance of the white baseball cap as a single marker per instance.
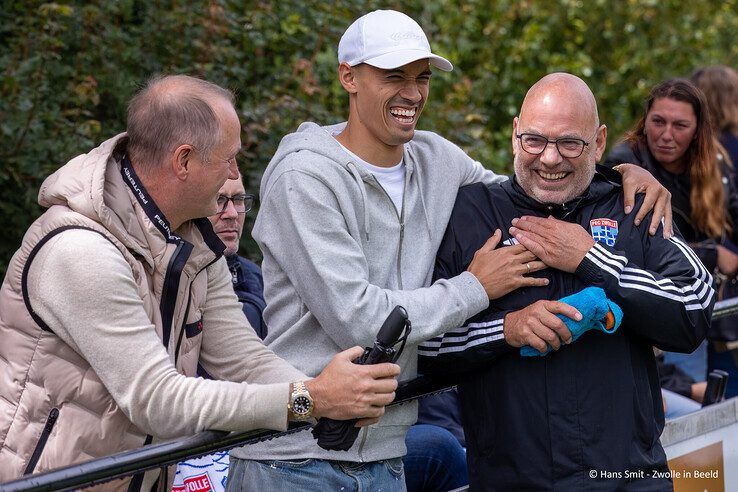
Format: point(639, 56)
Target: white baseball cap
point(387, 39)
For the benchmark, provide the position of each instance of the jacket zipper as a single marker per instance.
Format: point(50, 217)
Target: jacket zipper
point(187, 310)
point(184, 322)
point(48, 427)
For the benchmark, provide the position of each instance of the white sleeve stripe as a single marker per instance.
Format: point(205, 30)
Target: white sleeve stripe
point(665, 283)
point(696, 262)
point(664, 289)
point(482, 324)
point(697, 290)
point(685, 247)
point(458, 348)
point(705, 290)
point(646, 273)
point(495, 325)
point(688, 292)
point(666, 286)
point(457, 340)
point(699, 268)
point(477, 324)
point(603, 266)
point(450, 337)
point(609, 254)
point(602, 255)
point(686, 300)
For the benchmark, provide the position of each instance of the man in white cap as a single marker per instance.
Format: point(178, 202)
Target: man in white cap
point(351, 218)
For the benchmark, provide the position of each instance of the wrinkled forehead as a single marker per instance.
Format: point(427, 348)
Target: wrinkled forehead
point(232, 187)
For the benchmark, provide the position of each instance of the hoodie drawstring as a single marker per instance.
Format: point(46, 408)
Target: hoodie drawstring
point(362, 190)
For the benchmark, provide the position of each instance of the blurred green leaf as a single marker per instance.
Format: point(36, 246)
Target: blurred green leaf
point(69, 67)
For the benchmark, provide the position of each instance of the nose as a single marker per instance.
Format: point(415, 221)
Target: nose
point(550, 155)
point(411, 92)
point(229, 212)
point(668, 133)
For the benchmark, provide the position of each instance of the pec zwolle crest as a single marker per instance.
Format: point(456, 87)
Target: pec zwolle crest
point(604, 231)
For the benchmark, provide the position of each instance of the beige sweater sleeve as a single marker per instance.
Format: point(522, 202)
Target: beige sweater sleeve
point(231, 350)
point(82, 287)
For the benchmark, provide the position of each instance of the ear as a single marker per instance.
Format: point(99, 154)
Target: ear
point(347, 77)
point(601, 142)
point(514, 140)
point(181, 161)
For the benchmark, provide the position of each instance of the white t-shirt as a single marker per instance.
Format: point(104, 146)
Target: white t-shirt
point(392, 178)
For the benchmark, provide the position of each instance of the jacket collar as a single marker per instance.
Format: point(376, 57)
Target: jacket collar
point(603, 183)
point(188, 232)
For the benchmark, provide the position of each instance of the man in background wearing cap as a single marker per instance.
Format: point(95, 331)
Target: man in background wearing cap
point(351, 218)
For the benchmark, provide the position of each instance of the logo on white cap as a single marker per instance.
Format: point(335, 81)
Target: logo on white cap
point(387, 39)
point(402, 36)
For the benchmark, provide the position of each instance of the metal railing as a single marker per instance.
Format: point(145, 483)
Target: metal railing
point(160, 455)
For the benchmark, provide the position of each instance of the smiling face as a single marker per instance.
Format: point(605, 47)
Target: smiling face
point(558, 106)
point(670, 129)
point(229, 224)
point(385, 105)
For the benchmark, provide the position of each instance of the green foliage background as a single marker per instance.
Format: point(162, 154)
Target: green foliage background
point(68, 69)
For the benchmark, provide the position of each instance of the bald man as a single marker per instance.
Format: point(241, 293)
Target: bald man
point(588, 415)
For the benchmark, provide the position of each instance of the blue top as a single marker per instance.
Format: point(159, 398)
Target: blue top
point(249, 287)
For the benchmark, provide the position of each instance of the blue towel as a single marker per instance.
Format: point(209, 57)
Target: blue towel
point(593, 304)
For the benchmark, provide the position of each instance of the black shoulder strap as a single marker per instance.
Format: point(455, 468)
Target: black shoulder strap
point(27, 267)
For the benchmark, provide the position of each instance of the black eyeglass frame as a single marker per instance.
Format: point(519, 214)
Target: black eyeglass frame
point(249, 200)
point(555, 142)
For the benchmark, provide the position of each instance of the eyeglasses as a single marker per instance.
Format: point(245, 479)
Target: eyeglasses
point(569, 148)
point(241, 202)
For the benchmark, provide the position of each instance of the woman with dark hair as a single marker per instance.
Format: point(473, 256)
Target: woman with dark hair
point(675, 141)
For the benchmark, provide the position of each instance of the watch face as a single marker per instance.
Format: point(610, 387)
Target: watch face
point(301, 405)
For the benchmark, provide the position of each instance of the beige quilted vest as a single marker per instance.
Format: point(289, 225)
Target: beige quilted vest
point(54, 410)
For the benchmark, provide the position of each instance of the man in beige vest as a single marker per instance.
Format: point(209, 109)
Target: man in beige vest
point(119, 291)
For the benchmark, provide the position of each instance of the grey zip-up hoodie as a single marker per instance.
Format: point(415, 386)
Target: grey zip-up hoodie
point(338, 258)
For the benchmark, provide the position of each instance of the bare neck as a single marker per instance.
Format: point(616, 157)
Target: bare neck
point(166, 200)
point(365, 145)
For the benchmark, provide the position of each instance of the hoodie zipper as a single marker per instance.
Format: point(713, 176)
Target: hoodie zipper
point(364, 433)
point(399, 251)
point(48, 427)
point(401, 220)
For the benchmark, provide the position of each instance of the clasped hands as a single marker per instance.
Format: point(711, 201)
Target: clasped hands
point(543, 242)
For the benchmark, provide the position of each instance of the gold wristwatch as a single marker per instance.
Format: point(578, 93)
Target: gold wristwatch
point(300, 406)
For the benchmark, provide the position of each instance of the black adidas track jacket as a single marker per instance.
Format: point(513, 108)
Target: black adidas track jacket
point(589, 416)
